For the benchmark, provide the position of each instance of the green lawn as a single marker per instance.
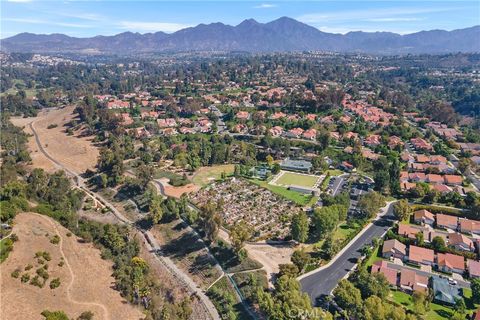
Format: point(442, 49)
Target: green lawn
point(333, 172)
point(374, 257)
point(13, 90)
point(291, 178)
point(298, 198)
point(206, 175)
point(436, 312)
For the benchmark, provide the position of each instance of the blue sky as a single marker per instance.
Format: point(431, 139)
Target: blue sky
point(89, 18)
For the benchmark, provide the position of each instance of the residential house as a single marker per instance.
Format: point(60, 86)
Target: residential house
point(276, 131)
point(411, 281)
point(424, 217)
point(446, 221)
point(473, 267)
point(444, 292)
point(448, 262)
point(125, 119)
point(453, 180)
point(169, 131)
point(421, 144)
point(441, 188)
point(166, 123)
point(294, 133)
point(434, 178)
point(419, 255)
point(469, 226)
point(390, 274)
point(406, 186)
point(394, 141)
point(394, 249)
point(417, 177)
point(186, 130)
point(460, 242)
point(243, 115)
point(310, 134)
point(410, 231)
point(373, 140)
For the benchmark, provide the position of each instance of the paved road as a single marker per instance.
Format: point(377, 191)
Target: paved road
point(337, 185)
point(469, 174)
point(322, 281)
point(150, 241)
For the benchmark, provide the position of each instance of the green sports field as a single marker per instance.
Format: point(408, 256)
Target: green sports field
point(291, 178)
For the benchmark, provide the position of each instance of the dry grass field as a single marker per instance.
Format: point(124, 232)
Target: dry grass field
point(207, 175)
point(75, 152)
point(85, 279)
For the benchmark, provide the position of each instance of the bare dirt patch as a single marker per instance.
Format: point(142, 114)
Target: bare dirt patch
point(177, 192)
point(76, 152)
point(86, 281)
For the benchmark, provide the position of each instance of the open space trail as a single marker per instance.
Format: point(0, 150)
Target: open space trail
point(176, 272)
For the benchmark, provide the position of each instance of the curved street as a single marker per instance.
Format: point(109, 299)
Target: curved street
point(322, 281)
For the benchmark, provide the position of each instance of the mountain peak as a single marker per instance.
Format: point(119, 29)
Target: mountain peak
point(281, 35)
point(248, 22)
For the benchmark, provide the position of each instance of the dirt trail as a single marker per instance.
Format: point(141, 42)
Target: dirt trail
point(72, 274)
point(86, 281)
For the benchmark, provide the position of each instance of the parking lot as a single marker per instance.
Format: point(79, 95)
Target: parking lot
point(355, 185)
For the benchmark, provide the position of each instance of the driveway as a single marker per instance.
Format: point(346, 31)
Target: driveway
point(323, 280)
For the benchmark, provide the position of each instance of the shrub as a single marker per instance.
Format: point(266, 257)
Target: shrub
point(55, 239)
point(55, 283)
point(35, 281)
point(25, 277)
point(16, 273)
point(54, 315)
point(86, 315)
point(51, 126)
point(28, 267)
point(42, 273)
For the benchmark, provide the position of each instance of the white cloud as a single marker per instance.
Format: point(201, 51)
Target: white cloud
point(265, 6)
point(20, 1)
point(151, 26)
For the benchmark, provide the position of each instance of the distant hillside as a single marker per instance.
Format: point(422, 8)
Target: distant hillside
point(284, 34)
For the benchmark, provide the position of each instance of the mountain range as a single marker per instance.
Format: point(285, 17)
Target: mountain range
point(281, 35)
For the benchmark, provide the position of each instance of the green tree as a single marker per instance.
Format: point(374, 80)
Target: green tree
point(460, 306)
point(420, 302)
point(438, 244)
point(419, 238)
point(402, 210)
point(239, 233)
point(371, 203)
point(156, 209)
point(211, 221)
point(300, 258)
point(269, 159)
point(326, 220)
point(288, 269)
point(299, 227)
point(145, 175)
point(475, 286)
point(349, 298)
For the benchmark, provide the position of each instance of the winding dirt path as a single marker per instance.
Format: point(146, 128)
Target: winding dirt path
point(106, 313)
